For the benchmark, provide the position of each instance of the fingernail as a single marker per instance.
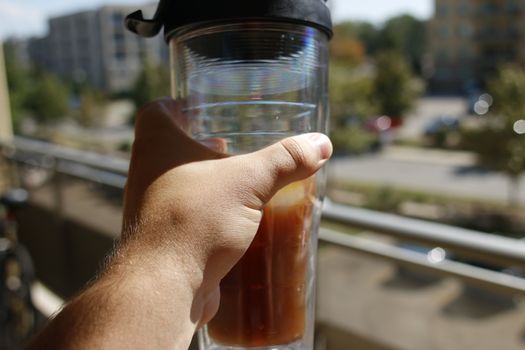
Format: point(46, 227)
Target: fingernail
point(322, 143)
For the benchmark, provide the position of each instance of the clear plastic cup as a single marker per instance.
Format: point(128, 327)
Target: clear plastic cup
point(249, 85)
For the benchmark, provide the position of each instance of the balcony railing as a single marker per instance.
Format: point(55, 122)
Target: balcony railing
point(483, 248)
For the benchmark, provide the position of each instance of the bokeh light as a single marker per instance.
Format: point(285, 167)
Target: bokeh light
point(487, 98)
point(383, 123)
point(436, 255)
point(519, 127)
point(481, 107)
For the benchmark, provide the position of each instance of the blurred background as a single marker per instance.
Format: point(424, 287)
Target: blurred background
point(422, 242)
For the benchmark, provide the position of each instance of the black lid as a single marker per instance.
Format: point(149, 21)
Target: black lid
point(172, 14)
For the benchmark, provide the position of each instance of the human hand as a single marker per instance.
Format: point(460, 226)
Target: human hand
point(209, 206)
point(189, 215)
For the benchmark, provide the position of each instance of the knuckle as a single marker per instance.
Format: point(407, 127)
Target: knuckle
point(296, 152)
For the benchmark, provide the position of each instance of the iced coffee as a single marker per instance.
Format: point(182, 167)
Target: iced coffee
point(263, 298)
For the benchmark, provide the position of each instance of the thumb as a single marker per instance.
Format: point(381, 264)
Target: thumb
point(292, 159)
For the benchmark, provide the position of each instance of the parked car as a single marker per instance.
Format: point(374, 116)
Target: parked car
point(440, 124)
point(438, 132)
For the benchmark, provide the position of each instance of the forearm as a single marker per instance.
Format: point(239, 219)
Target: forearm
point(138, 303)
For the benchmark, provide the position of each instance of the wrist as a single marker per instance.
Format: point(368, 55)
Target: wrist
point(164, 267)
point(168, 273)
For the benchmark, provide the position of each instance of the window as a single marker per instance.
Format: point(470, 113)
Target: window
point(120, 55)
point(513, 6)
point(465, 71)
point(514, 30)
point(118, 20)
point(118, 37)
point(489, 8)
point(444, 31)
point(464, 8)
point(465, 30)
point(442, 11)
point(465, 53)
point(443, 73)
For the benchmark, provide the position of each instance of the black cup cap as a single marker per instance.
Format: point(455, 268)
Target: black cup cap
point(173, 14)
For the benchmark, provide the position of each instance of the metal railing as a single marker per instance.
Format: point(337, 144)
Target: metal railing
point(483, 247)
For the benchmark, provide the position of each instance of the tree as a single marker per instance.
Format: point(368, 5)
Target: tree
point(403, 34)
point(363, 36)
point(91, 103)
point(347, 50)
point(33, 93)
point(350, 90)
point(351, 93)
point(48, 99)
point(369, 35)
point(500, 142)
point(395, 89)
point(19, 83)
point(351, 96)
point(406, 35)
point(152, 82)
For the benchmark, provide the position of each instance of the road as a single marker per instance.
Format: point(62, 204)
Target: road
point(428, 109)
point(439, 172)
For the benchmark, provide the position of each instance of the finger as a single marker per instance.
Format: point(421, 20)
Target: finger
point(211, 307)
point(289, 160)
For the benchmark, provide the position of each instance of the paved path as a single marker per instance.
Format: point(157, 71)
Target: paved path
point(435, 172)
point(372, 300)
point(426, 110)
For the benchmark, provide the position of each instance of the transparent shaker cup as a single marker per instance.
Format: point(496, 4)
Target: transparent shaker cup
point(246, 84)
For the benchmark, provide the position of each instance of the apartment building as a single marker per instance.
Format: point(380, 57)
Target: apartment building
point(93, 46)
point(469, 39)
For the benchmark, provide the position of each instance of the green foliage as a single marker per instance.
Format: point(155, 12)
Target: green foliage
point(395, 89)
point(125, 146)
point(153, 82)
point(351, 93)
point(405, 35)
point(346, 48)
point(351, 140)
point(384, 199)
point(351, 96)
point(369, 35)
point(496, 143)
point(91, 101)
point(39, 94)
point(48, 98)
point(360, 91)
point(19, 83)
point(508, 92)
point(364, 32)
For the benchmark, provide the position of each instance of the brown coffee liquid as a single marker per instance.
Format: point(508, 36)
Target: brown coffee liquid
point(263, 297)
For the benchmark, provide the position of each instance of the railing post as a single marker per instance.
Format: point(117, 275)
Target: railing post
point(6, 127)
point(58, 193)
point(9, 167)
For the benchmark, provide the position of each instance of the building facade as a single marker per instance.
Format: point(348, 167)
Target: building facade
point(470, 39)
point(94, 47)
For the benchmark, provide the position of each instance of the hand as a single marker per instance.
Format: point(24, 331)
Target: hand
point(210, 210)
point(189, 215)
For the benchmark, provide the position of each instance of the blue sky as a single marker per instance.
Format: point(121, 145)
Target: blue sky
point(28, 17)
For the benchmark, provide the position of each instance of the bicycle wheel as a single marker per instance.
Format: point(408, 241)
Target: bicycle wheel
point(19, 314)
